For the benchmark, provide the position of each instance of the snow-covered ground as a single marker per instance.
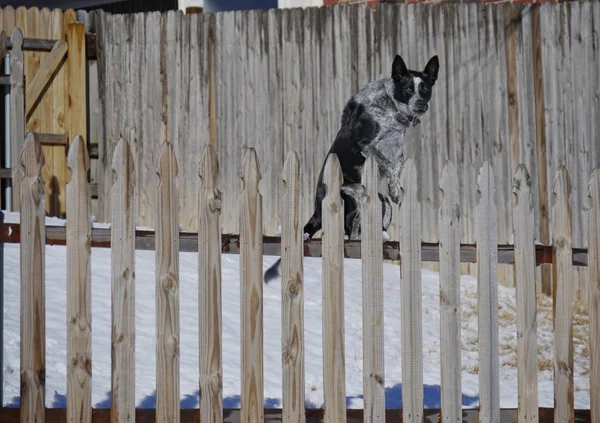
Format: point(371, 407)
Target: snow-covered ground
point(145, 334)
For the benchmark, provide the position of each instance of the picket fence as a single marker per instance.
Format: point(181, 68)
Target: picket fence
point(167, 246)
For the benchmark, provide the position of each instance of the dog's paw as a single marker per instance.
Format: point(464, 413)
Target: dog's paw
point(416, 121)
point(385, 236)
point(395, 192)
point(306, 236)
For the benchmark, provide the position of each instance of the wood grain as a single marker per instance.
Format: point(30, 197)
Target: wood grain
point(33, 310)
point(209, 288)
point(334, 373)
point(450, 329)
point(526, 296)
point(17, 115)
point(410, 293)
point(292, 294)
point(562, 298)
point(594, 292)
point(48, 67)
point(372, 296)
point(79, 286)
point(251, 246)
point(167, 288)
point(122, 238)
point(487, 292)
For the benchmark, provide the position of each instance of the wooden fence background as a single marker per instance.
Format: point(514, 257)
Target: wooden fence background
point(207, 184)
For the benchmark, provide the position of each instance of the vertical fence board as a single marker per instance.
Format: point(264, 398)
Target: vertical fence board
point(122, 286)
point(17, 114)
point(450, 340)
point(292, 294)
point(334, 374)
point(487, 291)
point(251, 246)
point(410, 292)
point(167, 288)
point(594, 293)
point(79, 286)
point(562, 298)
point(209, 288)
point(523, 228)
point(33, 310)
point(372, 296)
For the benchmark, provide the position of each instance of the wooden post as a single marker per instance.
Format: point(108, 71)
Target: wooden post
point(334, 372)
point(594, 294)
point(209, 288)
point(251, 258)
point(523, 229)
point(33, 310)
point(450, 344)
point(372, 296)
point(412, 326)
point(487, 292)
point(79, 286)
point(167, 288)
point(292, 294)
point(122, 236)
point(562, 298)
point(17, 114)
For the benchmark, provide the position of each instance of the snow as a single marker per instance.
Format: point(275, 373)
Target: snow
point(145, 334)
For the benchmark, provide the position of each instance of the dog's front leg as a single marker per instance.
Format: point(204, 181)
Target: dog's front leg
point(394, 189)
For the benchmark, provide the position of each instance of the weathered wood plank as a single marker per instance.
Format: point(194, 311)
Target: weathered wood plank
point(123, 286)
point(209, 288)
point(48, 67)
point(33, 310)
point(334, 373)
point(167, 288)
point(412, 326)
point(292, 294)
point(594, 292)
point(523, 229)
point(562, 298)
point(251, 246)
point(372, 296)
point(487, 291)
point(450, 340)
point(79, 286)
point(17, 114)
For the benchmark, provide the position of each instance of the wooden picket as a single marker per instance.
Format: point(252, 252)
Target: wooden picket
point(79, 286)
point(562, 298)
point(372, 299)
point(292, 295)
point(487, 292)
point(450, 341)
point(594, 298)
point(525, 296)
point(410, 292)
point(123, 286)
point(334, 372)
point(251, 245)
point(167, 288)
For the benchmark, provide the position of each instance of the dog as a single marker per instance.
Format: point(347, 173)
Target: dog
point(373, 124)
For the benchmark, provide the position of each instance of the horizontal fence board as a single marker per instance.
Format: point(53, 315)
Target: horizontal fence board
point(230, 244)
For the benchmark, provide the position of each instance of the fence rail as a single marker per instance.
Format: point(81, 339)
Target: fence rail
point(250, 246)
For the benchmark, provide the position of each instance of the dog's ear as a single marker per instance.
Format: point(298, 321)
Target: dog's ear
point(432, 68)
point(399, 68)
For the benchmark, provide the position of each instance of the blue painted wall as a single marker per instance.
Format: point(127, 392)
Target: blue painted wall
point(225, 5)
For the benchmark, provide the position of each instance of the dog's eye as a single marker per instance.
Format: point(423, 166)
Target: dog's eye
point(409, 89)
point(423, 87)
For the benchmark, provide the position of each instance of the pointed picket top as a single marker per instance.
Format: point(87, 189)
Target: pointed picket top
point(78, 156)
point(16, 39)
point(32, 156)
point(208, 168)
point(332, 177)
point(408, 181)
point(167, 162)
point(291, 168)
point(562, 185)
point(486, 186)
point(123, 160)
point(449, 207)
point(250, 172)
point(521, 188)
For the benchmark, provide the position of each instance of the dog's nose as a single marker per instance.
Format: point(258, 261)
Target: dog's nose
point(421, 104)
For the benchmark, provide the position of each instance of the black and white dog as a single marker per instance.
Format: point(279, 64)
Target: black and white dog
point(373, 124)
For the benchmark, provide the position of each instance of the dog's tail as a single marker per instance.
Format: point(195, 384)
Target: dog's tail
point(273, 271)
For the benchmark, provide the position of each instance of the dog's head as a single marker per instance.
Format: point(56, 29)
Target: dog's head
point(413, 88)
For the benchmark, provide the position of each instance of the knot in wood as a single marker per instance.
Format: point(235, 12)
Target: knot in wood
point(293, 287)
point(334, 207)
point(125, 275)
point(214, 204)
point(37, 190)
